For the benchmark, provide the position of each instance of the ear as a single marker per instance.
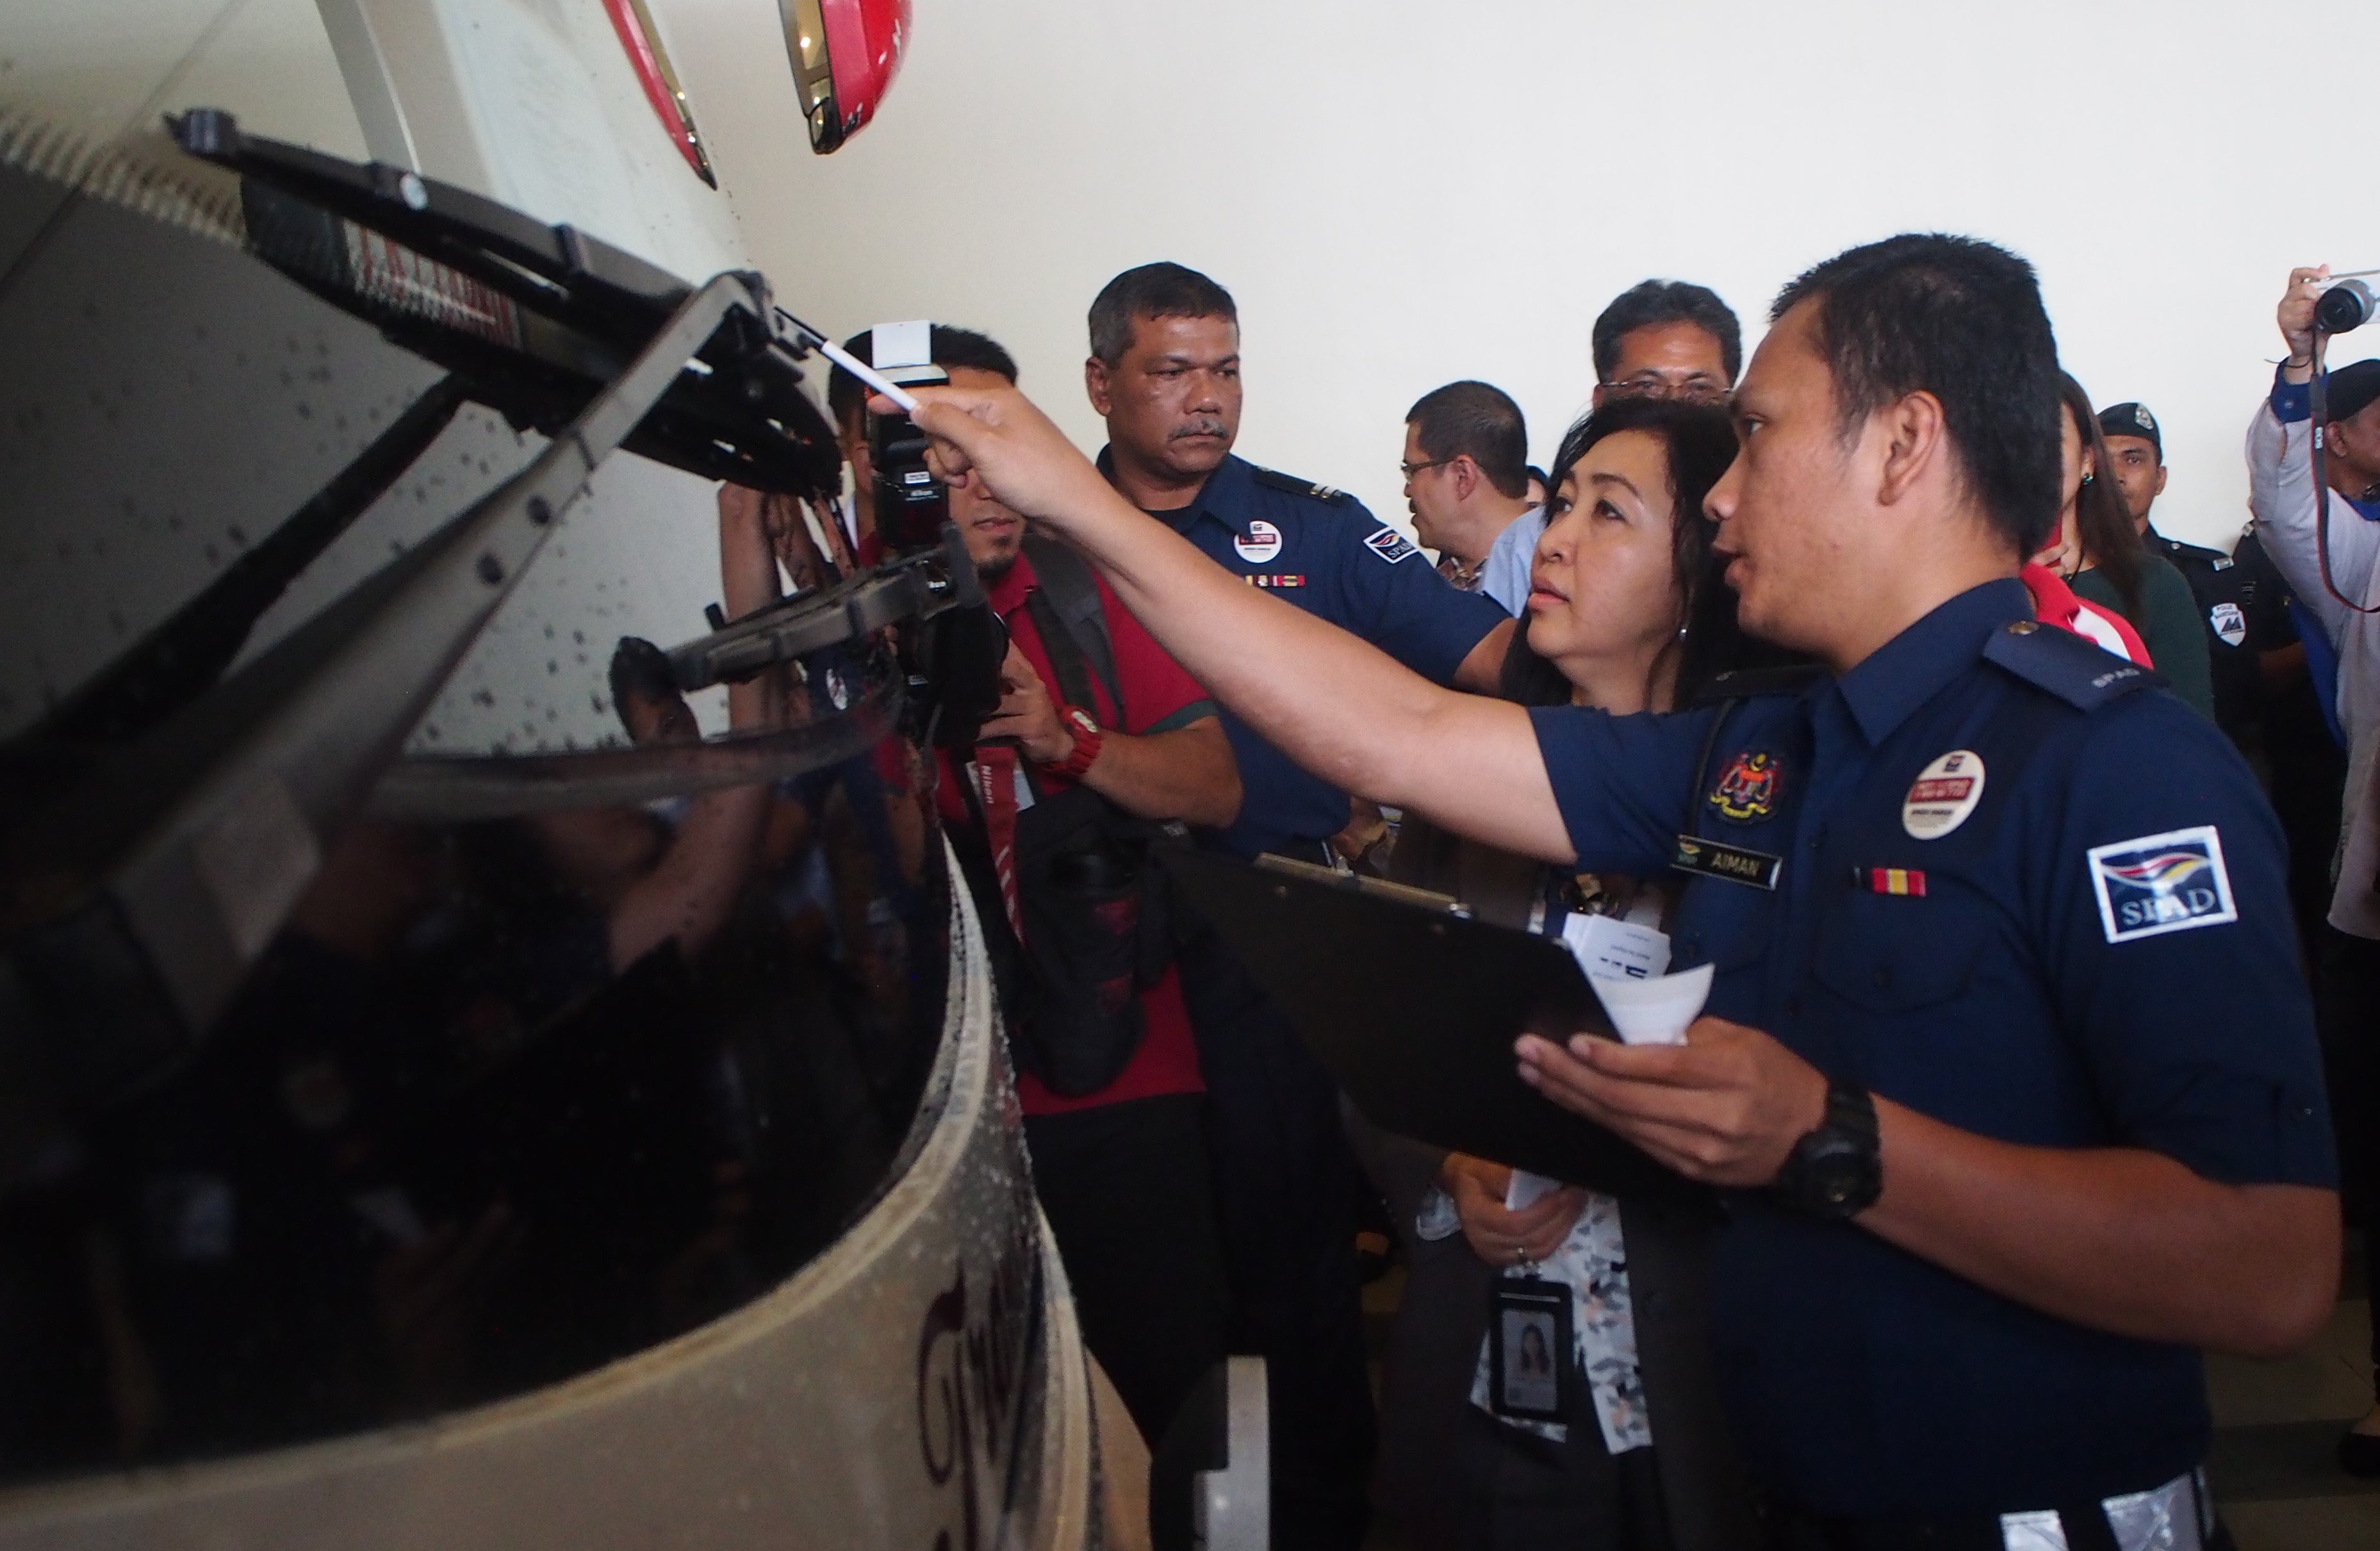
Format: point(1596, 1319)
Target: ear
point(1916, 448)
point(1466, 476)
point(2160, 484)
point(1097, 384)
point(1595, 400)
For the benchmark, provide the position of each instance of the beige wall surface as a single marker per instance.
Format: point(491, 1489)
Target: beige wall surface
point(1402, 192)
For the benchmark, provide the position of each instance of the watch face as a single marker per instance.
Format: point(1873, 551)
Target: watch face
point(1082, 719)
point(1841, 1175)
point(1837, 1178)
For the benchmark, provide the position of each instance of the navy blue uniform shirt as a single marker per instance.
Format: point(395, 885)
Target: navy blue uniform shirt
point(2019, 889)
point(1322, 550)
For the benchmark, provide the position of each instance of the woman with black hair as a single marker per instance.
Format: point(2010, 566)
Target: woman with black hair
point(1627, 611)
point(2097, 549)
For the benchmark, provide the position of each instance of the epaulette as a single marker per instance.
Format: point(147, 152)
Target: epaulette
point(2198, 552)
point(1296, 486)
point(2081, 675)
point(1744, 682)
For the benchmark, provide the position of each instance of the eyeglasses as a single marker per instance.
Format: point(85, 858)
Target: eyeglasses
point(1411, 469)
point(1698, 390)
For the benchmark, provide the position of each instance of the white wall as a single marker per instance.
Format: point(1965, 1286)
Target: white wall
point(1401, 192)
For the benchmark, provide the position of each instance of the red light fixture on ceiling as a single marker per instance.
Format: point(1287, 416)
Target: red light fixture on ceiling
point(844, 54)
point(634, 23)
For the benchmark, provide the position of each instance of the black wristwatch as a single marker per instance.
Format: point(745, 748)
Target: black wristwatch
point(1836, 1171)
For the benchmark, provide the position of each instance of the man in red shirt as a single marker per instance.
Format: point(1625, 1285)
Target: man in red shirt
point(1123, 1171)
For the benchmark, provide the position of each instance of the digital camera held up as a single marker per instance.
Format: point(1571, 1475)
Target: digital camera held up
point(2345, 304)
point(911, 503)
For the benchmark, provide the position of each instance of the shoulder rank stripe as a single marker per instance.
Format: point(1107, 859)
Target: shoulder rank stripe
point(1311, 489)
point(2066, 665)
point(1889, 880)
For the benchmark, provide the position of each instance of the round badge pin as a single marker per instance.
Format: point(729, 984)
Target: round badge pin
point(1259, 544)
point(1943, 795)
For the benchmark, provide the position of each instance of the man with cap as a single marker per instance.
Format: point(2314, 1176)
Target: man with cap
point(2244, 605)
point(1165, 373)
point(2345, 545)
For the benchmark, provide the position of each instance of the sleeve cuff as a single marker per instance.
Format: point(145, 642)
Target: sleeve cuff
point(1196, 710)
point(2292, 402)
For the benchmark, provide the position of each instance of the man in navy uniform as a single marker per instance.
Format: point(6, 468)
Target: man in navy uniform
point(2007, 1073)
point(1164, 371)
point(2241, 599)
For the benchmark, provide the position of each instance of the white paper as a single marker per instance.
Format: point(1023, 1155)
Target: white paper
point(893, 344)
point(1654, 1012)
point(1605, 945)
point(1527, 1189)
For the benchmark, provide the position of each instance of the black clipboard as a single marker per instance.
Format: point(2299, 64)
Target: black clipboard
point(1413, 1005)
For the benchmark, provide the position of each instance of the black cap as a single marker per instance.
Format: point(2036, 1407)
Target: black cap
point(2350, 388)
point(2133, 419)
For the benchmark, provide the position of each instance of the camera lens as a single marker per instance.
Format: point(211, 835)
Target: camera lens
point(2347, 305)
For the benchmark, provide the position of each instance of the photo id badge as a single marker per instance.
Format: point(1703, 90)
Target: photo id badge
point(1528, 1349)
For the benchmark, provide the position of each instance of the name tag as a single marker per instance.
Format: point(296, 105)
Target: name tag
point(1737, 864)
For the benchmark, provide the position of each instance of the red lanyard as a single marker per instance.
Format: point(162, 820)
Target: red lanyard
point(994, 771)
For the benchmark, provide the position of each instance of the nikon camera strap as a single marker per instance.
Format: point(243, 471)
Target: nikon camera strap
point(1068, 598)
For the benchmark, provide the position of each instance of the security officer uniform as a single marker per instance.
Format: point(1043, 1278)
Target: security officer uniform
point(1321, 550)
point(1996, 875)
point(2242, 615)
point(1286, 1182)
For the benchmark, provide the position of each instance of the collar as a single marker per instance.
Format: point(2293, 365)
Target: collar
point(2053, 601)
point(1909, 670)
point(1006, 594)
point(1226, 495)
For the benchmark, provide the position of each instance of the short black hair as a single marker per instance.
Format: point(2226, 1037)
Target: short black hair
point(642, 669)
point(1960, 319)
point(1158, 290)
point(947, 345)
point(1479, 420)
point(1651, 303)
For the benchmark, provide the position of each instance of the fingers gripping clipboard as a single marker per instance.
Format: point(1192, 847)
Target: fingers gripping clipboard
point(1412, 1006)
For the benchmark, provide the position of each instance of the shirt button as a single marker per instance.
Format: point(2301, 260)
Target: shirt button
point(1883, 980)
point(2022, 627)
point(1793, 1005)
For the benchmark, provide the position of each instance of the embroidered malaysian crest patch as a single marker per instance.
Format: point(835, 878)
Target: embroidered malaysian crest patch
point(1747, 789)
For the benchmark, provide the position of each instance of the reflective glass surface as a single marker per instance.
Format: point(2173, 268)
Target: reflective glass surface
point(445, 1148)
point(554, 1046)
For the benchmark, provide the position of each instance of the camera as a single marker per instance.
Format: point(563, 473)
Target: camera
point(911, 504)
point(2343, 305)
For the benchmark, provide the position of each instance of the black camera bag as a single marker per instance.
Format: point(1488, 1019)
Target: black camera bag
point(1098, 927)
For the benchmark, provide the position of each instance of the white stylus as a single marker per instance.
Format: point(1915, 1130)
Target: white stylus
point(852, 364)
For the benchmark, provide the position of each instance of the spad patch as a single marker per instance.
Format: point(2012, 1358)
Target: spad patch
point(2162, 883)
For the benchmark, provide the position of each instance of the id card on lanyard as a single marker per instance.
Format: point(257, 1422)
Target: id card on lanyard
point(1529, 1367)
